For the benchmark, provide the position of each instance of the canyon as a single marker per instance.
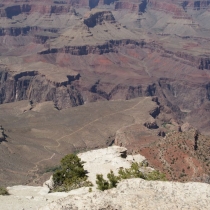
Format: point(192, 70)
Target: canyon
point(83, 74)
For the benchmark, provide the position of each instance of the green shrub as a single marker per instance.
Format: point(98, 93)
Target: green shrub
point(113, 180)
point(3, 191)
point(127, 173)
point(70, 175)
point(132, 172)
point(101, 182)
point(104, 184)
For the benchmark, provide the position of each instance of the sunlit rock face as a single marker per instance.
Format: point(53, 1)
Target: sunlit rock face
point(129, 194)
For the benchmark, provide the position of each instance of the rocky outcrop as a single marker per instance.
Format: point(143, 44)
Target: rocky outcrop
point(98, 18)
point(151, 124)
point(127, 92)
point(155, 112)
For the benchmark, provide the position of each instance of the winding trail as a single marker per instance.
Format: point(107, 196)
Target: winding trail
point(191, 164)
point(35, 169)
point(46, 147)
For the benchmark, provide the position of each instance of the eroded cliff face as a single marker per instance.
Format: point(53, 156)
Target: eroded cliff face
point(170, 5)
point(132, 6)
point(37, 88)
point(17, 31)
point(27, 8)
point(111, 46)
point(196, 5)
point(177, 94)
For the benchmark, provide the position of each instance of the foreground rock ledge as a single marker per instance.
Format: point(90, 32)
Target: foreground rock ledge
point(131, 194)
point(135, 194)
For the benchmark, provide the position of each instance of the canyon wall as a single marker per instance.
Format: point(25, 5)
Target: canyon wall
point(37, 88)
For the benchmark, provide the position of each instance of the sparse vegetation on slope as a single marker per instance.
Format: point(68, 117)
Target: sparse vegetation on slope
point(180, 156)
point(71, 174)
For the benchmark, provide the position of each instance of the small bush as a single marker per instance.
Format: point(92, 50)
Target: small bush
point(127, 173)
point(101, 182)
point(156, 175)
point(3, 191)
point(113, 180)
point(107, 184)
point(132, 172)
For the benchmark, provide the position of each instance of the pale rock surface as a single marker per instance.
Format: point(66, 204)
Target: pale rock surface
point(138, 194)
point(132, 194)
point(25, 197)
point(32, 198)
point(101, 161)
point(96, 161)
point(49, 183)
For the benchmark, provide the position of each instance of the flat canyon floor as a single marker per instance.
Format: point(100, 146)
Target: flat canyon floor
point(38, 136)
